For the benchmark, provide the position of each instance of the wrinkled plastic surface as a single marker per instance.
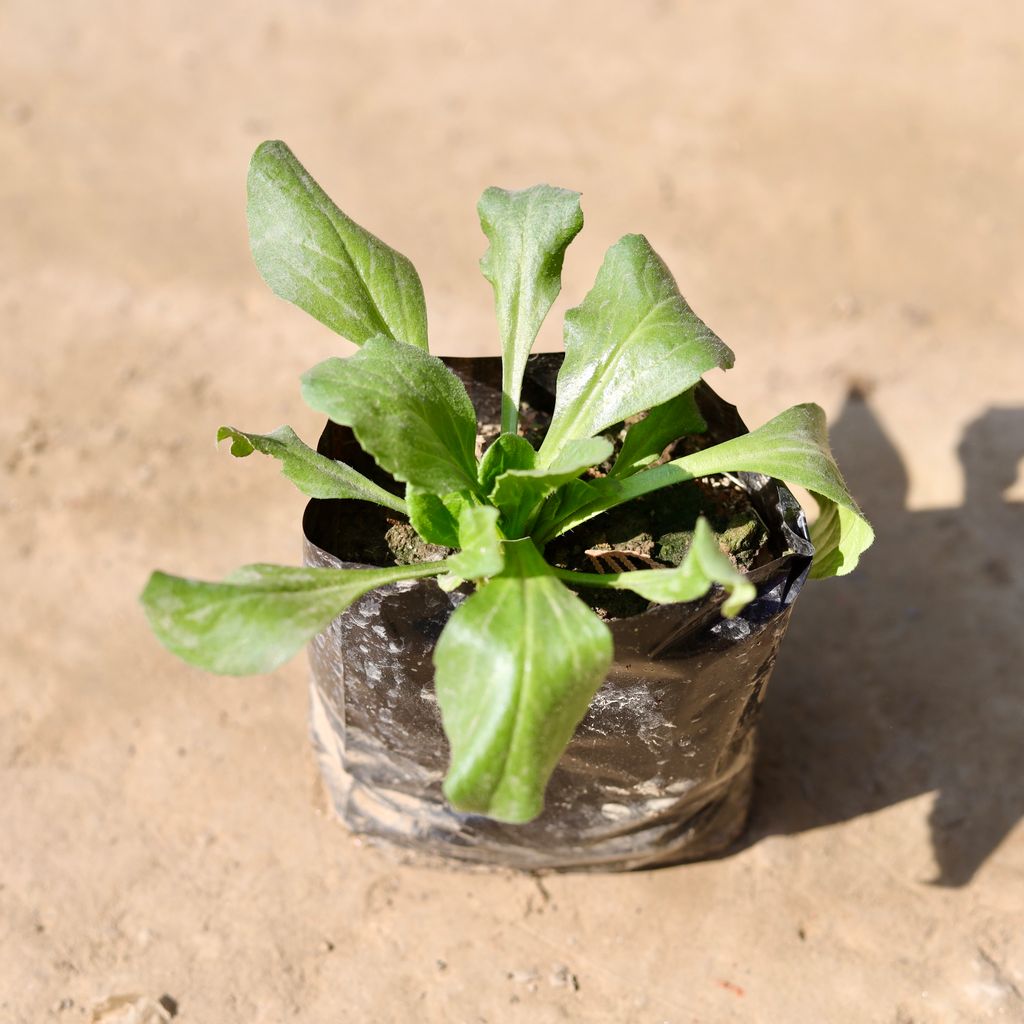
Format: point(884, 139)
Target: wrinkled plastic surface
point(660, 769)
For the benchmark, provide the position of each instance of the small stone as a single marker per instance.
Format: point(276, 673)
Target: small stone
point(562, 977)
point(131, 1008)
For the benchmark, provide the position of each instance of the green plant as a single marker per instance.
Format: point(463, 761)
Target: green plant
point(522, 656)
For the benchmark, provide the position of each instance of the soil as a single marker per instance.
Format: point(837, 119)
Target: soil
point(837, 190)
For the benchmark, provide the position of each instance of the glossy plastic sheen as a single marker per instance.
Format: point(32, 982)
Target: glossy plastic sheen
point(660, 769)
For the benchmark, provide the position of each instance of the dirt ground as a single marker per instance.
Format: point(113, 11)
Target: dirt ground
point(838, 190)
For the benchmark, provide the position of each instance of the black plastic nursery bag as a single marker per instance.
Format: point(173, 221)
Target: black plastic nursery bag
point(660, 769)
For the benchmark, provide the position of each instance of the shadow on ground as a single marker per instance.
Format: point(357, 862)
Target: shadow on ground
point(906, 677)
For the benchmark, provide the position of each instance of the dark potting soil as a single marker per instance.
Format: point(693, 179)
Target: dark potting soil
point(649, 532)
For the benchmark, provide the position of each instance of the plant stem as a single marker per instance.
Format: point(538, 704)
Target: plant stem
point(391, 501)
point(509, 411)
point(609, 580)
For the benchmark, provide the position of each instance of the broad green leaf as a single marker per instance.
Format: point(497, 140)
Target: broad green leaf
point(648, 438)
point(705, 563)
point(435, 517)
point(314, 474)
point(480, 542)
point(515, 670)
point(529, 231)
point(632, 344)
point(406, 408)
point(792, 447)
point(519, 493)
point(260, 615)
point(312, 254)
point(509, 451)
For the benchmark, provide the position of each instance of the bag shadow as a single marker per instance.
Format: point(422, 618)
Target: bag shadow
point(905, 677)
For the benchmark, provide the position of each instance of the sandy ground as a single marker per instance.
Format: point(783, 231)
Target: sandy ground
point(838, 189)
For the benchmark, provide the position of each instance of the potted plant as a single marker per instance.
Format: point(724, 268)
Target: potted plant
point(472, 584)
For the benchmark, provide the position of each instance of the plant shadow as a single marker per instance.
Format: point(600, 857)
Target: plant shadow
point(905, 678)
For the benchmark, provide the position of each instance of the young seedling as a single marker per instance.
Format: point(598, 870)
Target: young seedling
point(521, 657)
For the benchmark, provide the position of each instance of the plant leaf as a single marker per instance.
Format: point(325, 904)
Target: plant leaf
point(509, 451)
point(406, 408)
point(648, 438)
point(632, 344)
point(839, 535)
point(519, 493)
point(792, 447)
point(449, 581)
point(480, 540)
point(436, 517)
point(516, 668)
point(314, 474)
point(260, 615)
point(704, 564)
point(567, 502)
point(312, 254)
point(529, 232)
